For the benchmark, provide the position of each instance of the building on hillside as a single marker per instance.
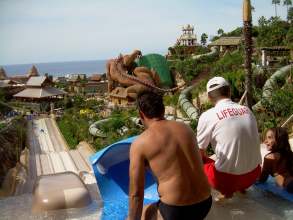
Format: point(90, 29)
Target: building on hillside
point(119, 97)
point(95, 77)
point(273, 55)
point(187, 38)
point(40, 93)
point(60, 79)
point(9, 87)
point(227, 44)
point(91, 86)
point(185, 45)
point(76, 77)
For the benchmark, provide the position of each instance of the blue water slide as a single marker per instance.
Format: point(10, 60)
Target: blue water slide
point(111, 168)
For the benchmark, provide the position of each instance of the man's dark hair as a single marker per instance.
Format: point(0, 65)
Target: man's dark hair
point(151, 104)
point(220, 92)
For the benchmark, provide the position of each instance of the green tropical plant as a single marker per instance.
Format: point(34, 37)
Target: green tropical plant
point(203, 39)
point(290, 15)
point(220, 32)
point(276, 2)
point(287, 3)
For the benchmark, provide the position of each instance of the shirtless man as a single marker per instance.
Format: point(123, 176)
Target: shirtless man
point(169, 149)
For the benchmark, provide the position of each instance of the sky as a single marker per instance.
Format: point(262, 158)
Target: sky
point(34, 31)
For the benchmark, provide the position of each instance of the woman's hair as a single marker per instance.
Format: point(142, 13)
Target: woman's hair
point(282, 146)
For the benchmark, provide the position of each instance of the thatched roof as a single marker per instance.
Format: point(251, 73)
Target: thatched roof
point(38, 93)
point(7, 83)
point(37, 81)
point(33, 71)
point(227, 41)
point(2, 74)
point(276, 48)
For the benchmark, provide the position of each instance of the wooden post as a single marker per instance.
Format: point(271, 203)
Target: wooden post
point(247, 26)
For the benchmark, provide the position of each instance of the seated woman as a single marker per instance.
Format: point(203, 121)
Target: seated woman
point(279, 161)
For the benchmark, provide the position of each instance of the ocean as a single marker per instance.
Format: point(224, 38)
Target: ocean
point(59, 68)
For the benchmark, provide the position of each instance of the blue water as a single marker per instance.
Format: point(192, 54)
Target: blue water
point(59, 68)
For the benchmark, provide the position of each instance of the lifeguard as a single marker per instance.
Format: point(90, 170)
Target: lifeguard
point(231, 129)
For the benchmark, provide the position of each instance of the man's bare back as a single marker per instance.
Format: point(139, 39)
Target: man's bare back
point(170, 150)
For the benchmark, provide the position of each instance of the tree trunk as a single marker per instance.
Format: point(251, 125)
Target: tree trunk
point(247, 62)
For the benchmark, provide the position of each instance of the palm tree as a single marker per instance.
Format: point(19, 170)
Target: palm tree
point(203, 38)
point(220, 32)
point(276, 2)
point(247, 28)
point(287, 3)
point(290, 15)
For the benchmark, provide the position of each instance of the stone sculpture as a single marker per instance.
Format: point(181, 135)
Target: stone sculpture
point(124, 72)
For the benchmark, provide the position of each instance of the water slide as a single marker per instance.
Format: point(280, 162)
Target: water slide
point(47, 165)
point(95, 128)
point(214, 51)
point(271, 84)
point(183, 100)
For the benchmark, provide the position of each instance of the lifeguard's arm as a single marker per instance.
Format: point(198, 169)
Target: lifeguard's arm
point(204, 133)
point(266, 168)
point(136, 182)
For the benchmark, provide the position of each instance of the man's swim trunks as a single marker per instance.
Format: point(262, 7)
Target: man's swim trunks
point(227, 183)
point(188, 212)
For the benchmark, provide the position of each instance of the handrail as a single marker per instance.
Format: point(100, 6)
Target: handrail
point(287, 121)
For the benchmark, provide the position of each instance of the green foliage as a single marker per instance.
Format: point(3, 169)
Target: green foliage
point(79, 101)
point(230, 67)
point(4, 108)
point(61, 85)
point(276, 109)
point(290, 15)
point(272, 32)
point(171, 100)
point(190, 68)
point(203, 39)
point(229, 63)
point(119, 119)
point(220, 31)
point(289, 37)
point(2, 96)
point(74, 127)
point(2, 125)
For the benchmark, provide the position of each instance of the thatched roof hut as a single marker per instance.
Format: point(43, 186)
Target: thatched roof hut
point(33, 72)
point(38, 87)
point(227, 41)
point(2, 74)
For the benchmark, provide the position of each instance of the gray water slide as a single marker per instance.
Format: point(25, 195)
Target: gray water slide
point(271, 84)
point(186, 105)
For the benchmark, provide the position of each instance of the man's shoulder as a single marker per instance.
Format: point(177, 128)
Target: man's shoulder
point(208, 114)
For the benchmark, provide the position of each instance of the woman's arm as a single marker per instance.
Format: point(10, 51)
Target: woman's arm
point(266, 168)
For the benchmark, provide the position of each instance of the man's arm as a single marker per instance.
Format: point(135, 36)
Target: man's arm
point(136, 182)
point(204, 132)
